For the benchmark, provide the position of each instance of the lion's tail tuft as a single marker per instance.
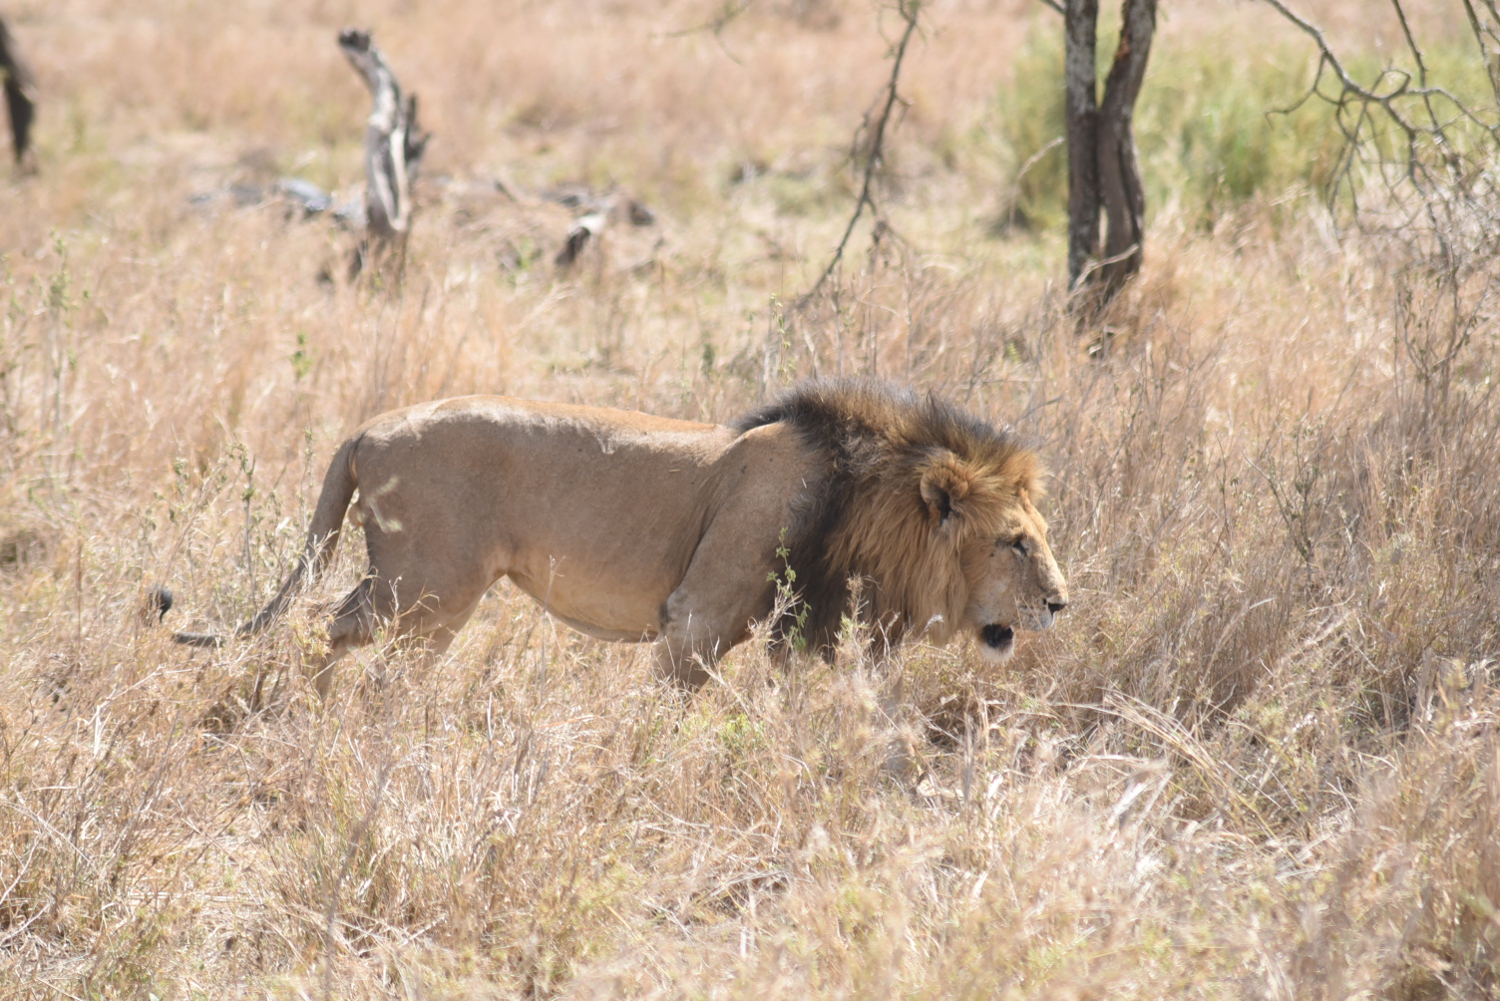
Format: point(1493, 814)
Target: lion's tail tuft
point(339, 484)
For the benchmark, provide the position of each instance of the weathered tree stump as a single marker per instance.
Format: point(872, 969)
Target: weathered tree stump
point(394, 144)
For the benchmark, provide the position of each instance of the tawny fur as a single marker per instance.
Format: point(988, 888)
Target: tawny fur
point(633, 527)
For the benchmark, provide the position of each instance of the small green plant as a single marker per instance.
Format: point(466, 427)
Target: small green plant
point(59, 298)
point(791, 610)
point(302, 358)
point(741, 737)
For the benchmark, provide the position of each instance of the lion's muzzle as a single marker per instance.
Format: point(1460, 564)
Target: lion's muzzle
point(1038, 619)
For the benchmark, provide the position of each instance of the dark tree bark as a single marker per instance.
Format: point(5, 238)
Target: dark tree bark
point(1102, 168)
point(1082, 108)
point(1119, 172)
point(19, 93)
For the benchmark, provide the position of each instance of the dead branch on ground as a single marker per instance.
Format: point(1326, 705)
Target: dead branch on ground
point(592, 214)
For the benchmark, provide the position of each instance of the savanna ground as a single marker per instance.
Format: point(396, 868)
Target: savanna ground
point(1256, 758)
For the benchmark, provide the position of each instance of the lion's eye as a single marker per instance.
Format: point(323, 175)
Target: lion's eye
point(1019, 545)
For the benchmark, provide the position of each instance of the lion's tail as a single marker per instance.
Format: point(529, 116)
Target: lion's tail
point(339, 484)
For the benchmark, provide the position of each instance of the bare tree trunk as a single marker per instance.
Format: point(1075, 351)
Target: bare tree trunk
point(20, 92)
point(1102, 168)
point(1082, 121)
point(393, 142)
point(1119, 172)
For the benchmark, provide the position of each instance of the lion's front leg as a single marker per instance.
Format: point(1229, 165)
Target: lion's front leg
point(729, 583)
point(685, 661)
point(711, 611)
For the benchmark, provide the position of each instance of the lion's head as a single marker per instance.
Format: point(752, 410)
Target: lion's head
point(933, 507)
point(1013, 581)
point(983, 542)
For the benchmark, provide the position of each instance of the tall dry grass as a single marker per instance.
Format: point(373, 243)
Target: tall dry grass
point(1257, 758)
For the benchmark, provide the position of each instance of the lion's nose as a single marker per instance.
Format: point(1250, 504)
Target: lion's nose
point(1056, 606)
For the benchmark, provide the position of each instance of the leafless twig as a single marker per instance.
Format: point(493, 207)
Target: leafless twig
point(731, 10)
point(1439, 198)
point(910, 11)
point(1441, 162)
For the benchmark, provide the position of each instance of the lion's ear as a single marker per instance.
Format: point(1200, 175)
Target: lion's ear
point(945, 484)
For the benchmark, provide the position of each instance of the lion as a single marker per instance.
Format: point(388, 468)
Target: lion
point(631, 527)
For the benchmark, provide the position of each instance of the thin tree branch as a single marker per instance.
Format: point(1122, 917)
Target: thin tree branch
point(910, 11)
point(1487, 52)
point(1031, 161)
point(1388, 97)
point(1441, 199)
point(731, 10)
point(1099, 265)
point(715, 25)
point(1439, 135)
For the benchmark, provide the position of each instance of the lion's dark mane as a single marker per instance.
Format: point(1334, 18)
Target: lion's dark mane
point(866, 432)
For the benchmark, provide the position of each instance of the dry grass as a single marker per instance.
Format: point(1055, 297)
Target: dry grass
point(1258, 758)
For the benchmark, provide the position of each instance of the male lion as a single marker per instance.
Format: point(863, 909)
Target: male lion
point(632, 527)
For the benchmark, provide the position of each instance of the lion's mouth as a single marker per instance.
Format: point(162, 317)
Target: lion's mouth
point(997, 639)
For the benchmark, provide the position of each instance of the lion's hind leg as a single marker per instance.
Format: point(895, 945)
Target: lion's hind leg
point(436, 640)
point(373, 602)
point(352, 625)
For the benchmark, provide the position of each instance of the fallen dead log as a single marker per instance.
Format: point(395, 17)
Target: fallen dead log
point(20, 93)
point(394, 144)
point(584, 228)
point(594, 213)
